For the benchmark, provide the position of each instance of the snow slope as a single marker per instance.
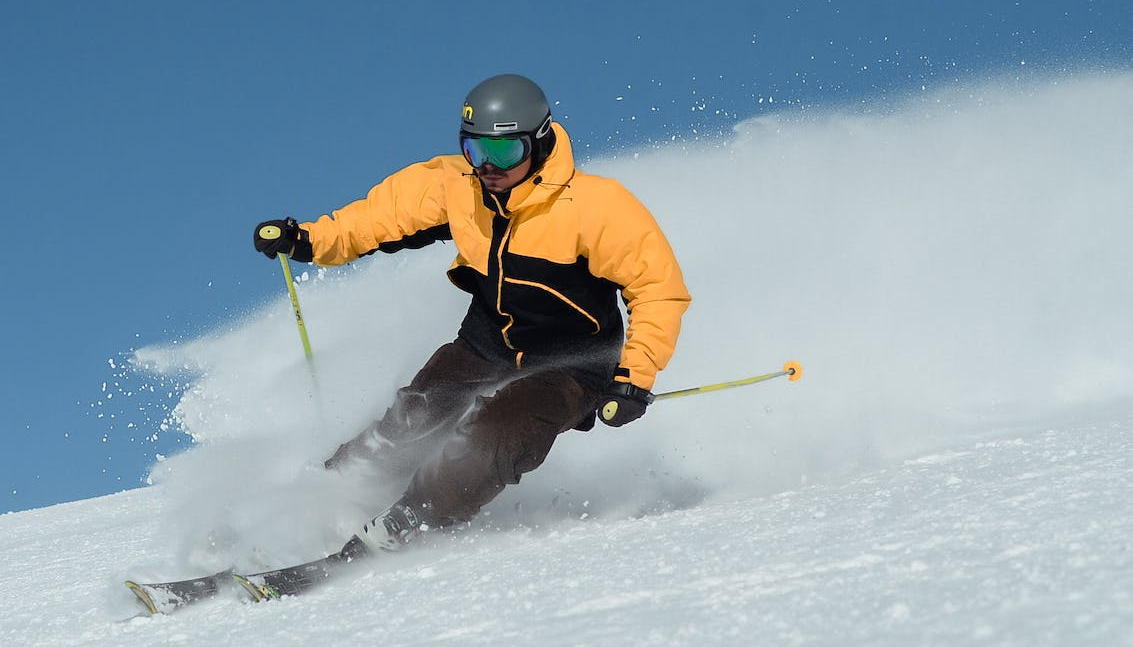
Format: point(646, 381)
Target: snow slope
point(953, 469)
point(1023, 540)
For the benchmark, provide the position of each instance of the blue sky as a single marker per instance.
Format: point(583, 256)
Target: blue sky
point(141, 141)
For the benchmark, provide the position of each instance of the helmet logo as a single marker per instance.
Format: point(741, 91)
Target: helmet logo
point(539, 134)
point(467, 112)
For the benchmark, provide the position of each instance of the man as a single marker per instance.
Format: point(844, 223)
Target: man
point(543, 249)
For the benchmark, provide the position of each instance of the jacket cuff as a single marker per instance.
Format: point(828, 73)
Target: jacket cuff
point(624, 375)
point(303, 251)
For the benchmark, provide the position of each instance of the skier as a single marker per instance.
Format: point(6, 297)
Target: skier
point(543, 248)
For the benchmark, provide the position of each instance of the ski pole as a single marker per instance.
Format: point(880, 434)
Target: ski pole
point(793, 370)
point(295, 304)
point(271, 232)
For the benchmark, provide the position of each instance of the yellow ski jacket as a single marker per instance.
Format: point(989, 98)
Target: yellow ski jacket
point(544, 262)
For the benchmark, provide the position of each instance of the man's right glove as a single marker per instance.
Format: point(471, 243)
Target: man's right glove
point(623, 402)
point(282, 237)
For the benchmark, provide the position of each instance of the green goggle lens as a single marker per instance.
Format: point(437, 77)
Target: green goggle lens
point(502, 152)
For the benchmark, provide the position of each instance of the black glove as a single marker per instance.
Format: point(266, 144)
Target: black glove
point(276, 237)
point(623, 402)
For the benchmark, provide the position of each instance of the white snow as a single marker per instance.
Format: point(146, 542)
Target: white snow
point(955, 467)
point(1020, 541)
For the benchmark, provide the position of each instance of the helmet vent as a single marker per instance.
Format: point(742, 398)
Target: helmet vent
point(506, 126)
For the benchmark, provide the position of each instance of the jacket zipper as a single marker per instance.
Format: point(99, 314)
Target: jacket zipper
point(499, 209)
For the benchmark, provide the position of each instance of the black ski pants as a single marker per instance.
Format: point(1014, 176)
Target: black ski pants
point(466, 427)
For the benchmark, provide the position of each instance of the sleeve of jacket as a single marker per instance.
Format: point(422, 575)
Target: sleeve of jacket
point(632, 251)
point(407, 209)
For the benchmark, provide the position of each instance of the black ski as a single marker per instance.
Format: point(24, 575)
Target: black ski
point(167, 597)
point(293, 580)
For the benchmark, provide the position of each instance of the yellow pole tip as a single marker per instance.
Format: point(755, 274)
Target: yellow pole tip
point(794, 370)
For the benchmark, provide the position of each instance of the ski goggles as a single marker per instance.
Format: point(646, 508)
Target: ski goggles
point(502, 152)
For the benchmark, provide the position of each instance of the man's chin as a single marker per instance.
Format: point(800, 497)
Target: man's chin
point(494, 184)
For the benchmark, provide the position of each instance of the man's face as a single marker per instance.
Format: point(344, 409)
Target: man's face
point(498, 181)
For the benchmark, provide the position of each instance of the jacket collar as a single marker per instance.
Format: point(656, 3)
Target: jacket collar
point(557, 172)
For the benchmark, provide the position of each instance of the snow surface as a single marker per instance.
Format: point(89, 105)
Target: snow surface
point(955, 468)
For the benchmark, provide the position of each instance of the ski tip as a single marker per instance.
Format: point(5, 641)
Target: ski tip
point(143, 596)
point(794, 370)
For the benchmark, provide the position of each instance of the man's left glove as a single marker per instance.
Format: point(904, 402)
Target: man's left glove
point(282, 237)
point(623, 402)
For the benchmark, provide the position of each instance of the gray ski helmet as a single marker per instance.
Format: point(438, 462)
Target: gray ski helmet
point(510, 104)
